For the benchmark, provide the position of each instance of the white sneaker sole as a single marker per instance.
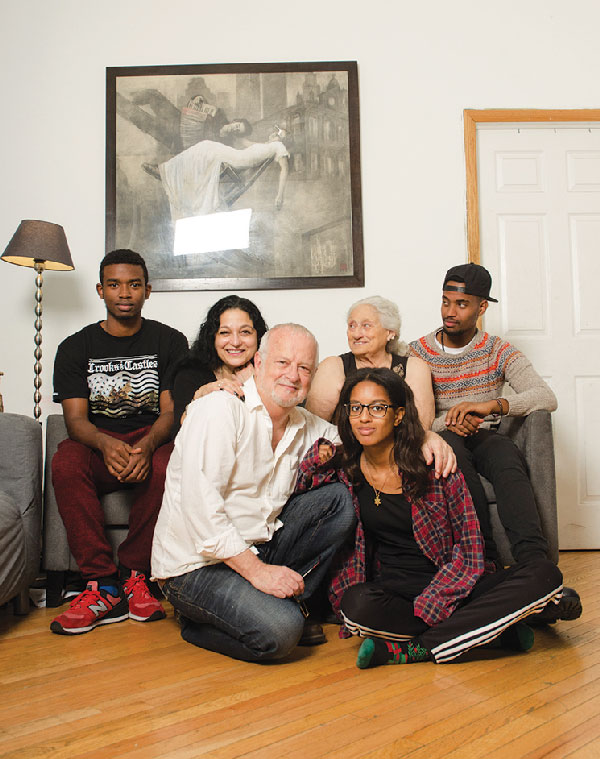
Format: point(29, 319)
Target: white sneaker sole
point(80, 630)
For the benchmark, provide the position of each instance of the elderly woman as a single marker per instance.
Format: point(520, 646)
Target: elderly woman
point(374, 340)
point(222, 356)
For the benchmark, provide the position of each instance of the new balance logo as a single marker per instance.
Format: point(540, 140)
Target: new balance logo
point(98, 608)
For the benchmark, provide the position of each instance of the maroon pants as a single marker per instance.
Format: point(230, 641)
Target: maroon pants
point(80, 477)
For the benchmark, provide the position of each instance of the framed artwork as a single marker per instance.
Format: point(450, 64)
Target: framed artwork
point(236, 176)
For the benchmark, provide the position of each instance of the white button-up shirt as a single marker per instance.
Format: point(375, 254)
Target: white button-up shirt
point(225, 486)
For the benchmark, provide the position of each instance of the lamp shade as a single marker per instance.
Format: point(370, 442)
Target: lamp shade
point(39, 242)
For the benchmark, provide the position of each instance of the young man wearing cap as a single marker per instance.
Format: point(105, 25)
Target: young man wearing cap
point(469, 369)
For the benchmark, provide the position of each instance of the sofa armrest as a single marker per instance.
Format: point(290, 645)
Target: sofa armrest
point(20, 502)
point(21, 460)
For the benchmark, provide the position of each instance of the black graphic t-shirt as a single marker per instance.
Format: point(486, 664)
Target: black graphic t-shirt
point(121, 377)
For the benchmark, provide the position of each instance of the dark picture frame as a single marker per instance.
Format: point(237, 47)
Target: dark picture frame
point(276, 143)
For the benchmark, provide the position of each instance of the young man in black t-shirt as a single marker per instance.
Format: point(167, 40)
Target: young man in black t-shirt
point(112, 379)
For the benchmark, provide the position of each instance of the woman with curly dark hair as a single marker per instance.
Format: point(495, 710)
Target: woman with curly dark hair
point(222, 355)
point(416, 584)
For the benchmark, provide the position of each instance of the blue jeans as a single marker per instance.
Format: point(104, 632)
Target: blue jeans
point(223, 612)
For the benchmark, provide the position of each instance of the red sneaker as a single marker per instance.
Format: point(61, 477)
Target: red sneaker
point(143, 607)
point(91, 608)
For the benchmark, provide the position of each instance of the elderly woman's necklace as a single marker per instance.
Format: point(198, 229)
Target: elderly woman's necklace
point(377, 499)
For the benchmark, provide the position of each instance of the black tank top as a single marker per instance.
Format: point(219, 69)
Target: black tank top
point(398, 364)
point(390, 526)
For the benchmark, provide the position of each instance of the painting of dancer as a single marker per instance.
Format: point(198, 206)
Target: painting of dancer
point(237, 176)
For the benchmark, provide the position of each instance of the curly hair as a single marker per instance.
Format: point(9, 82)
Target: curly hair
point(203, 349)
point(123, 256)
point(408, 435)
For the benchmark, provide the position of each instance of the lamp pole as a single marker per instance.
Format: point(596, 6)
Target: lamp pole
point(37, 353)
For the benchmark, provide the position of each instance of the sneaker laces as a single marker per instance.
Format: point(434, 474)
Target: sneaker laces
point(137, 581)
point(86, 597)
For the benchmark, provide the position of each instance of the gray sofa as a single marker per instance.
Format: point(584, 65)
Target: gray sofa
point(20, 507)
point(57, 558)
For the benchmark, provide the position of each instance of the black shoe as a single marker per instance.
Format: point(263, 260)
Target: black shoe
point(569, 608)
point(313, 634)
point(331, 619)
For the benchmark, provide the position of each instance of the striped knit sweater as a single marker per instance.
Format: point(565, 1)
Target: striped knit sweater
point(479, 373)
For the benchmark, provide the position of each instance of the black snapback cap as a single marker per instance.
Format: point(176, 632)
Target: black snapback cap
point(477, 280)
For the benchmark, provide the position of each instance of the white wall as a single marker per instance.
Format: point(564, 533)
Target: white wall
point(420, 65)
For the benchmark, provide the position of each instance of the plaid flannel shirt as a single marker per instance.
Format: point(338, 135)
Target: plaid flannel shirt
point(445, 527)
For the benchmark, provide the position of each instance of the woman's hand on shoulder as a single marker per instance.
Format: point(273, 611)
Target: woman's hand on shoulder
point(326, 451)
point(436, 449)
point(330, 456)
point(229, 385)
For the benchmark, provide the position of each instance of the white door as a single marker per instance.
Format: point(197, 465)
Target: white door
point(539, 196)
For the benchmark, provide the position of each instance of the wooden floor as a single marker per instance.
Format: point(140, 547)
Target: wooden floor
point(138, 691)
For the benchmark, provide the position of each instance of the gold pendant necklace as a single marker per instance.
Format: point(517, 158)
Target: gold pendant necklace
point(377, 499)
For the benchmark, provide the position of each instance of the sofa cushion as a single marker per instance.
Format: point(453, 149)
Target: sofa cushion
point(13, 549)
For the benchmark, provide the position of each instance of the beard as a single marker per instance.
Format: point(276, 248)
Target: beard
point(457, 331)
point(283, 393)
point(288, 401)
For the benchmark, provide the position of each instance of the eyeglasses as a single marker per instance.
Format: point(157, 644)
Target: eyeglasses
point(376, 410)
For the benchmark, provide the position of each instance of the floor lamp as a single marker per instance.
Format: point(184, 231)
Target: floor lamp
point(39, 245)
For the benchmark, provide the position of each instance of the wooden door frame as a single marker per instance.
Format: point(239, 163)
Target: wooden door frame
point(471, 119)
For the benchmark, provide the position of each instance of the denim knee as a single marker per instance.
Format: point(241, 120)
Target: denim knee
point(258, 627)
point(343, 504)
point(276, 641)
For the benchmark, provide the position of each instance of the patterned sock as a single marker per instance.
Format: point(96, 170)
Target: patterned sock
point(374, 652)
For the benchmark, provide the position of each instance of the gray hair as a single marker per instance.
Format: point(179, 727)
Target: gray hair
point(389, 316)
point(298, 329)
